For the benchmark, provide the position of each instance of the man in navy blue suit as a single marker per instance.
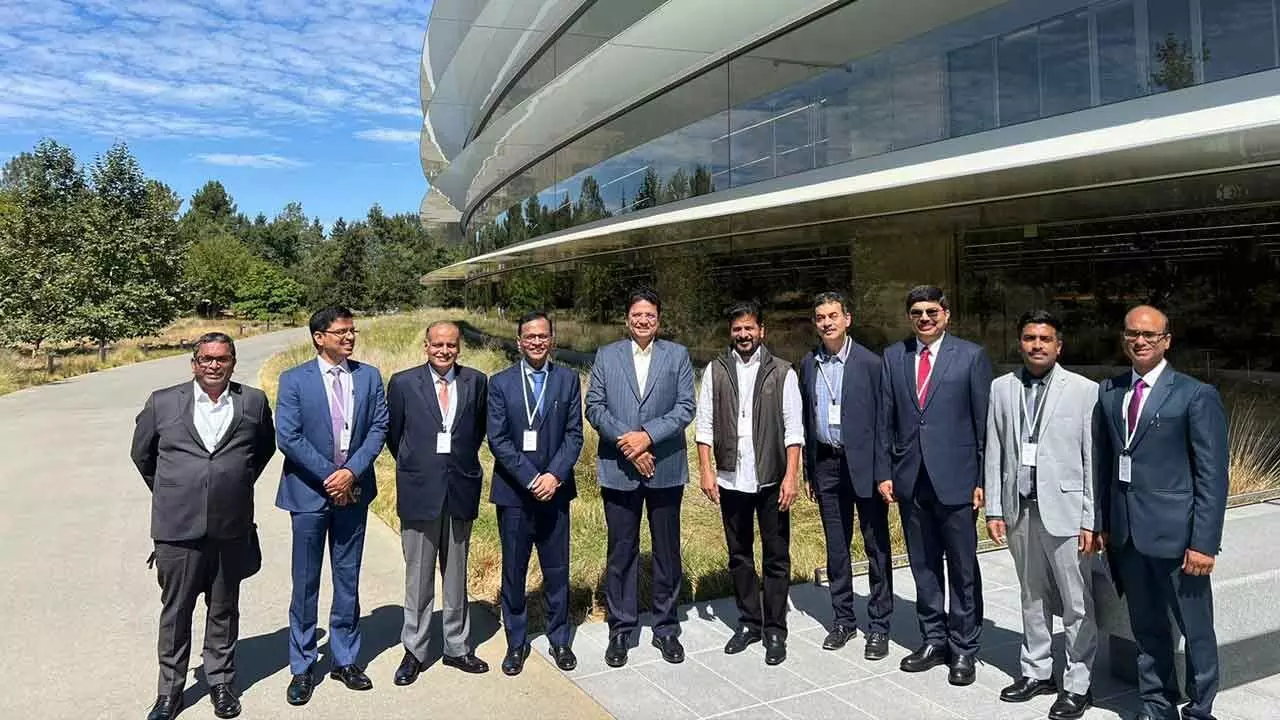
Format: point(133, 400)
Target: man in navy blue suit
point(1160, 451)
point(331, 418)
point(535, 433)
point(936, 388)
point(845, 461)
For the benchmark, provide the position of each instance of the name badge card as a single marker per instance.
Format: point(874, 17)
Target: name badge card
point(1029, 454)
point(530, 440)
point(443, 442)
point(1126, 468)
point(833, 414)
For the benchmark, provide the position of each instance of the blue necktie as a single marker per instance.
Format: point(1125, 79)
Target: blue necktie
point(539, 377)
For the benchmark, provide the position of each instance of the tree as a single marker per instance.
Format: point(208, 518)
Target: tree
point(266, 292)
point(216, 267)
point(702, 183)
point(650, 190)
point(590, 205)
point(1175, 64)
point(677, 186)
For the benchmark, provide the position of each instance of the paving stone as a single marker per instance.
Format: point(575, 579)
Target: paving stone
point(748, 671)
point(627, 695)
point(883, 698)
point(697, 687)
point(819, 705)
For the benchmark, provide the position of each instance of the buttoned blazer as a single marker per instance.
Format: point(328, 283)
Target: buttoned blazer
point(559, 428)
point(861, 433)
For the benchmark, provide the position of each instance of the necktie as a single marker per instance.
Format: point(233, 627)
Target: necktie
point(922, 375)
point(539, 377)
point(442, 393)
point(1135, 403)
point(337, 414)
point(1026, 475)
point(1031, 407)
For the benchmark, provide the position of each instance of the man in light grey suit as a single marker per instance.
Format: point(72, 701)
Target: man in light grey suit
point(640, 400)
point(1039, 493)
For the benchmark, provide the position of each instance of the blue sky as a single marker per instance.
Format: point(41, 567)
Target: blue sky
point(315, 101)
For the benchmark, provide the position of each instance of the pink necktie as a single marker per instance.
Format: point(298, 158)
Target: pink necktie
point(1135, 403)
point(922, 375)
point(337, 414)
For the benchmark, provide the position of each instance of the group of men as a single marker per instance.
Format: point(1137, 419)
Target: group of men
point(1063, 468)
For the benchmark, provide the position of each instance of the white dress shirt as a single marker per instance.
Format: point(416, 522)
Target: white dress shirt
point(448, 411)
point(745, 480)
point(211, 418)
point(1150, 379)
point(642, 358)
point(348, 402)
point(934, 347)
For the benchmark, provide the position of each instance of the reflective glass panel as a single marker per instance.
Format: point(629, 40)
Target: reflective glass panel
point(1239, 37)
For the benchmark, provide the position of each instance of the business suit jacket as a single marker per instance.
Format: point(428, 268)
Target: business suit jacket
point(948, 434)
point(305, 435)
point(559, 430)
point(1178, 494)
point(199, 492)
point(860, 430)
point(1064, 460)
point(428, 483)
point(615, 406)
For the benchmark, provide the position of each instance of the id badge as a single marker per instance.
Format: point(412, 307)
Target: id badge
point(1126, 469)
point(833, 414)
point(530, 440)
point(1029, 454)
point(443, 442)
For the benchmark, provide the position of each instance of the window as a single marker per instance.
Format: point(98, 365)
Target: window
point(1019, 63)
point(972, 88)
point(1065, 72)
point(1117, 54)
point(1239, 37)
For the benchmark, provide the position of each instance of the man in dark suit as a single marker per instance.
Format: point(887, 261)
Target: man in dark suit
point(332, 421)
point(845, 461)
point(1160, 442)
point(200, 447)
point(640, 400)
point(936, 388)
point(535, 433)
point(437, 415)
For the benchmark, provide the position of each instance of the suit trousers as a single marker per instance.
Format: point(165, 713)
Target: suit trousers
point(546, 527)
point(1049, 565)
point(423, 541)
point(1156, 588)
point(935, 533)
point(185, 570)
point(342, 528)
point(836, 506)
point(622, 510)
point(740, 511)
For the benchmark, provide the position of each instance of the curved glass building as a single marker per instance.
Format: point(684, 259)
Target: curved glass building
point(1063, 154)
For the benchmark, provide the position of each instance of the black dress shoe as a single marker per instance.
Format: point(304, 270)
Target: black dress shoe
point(225, 704)
point(672, 650)
point(877, 646)
point(1070, 706)
point(468, 663)
point(616, 654)
point(741, 639)
point(564, 657)
point(962, 670)
point(300, 687)
point(924, 658)
point(409, 669)
point(513, 661)
point(352, 676)
point(775, 648)
point(839, 635)
point(1025, 688)
point(165, 708)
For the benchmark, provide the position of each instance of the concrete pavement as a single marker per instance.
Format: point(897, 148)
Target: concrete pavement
point(79, 605)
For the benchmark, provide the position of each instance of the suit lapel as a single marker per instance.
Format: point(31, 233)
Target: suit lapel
point(427, 386)
point(939, 372)
point(360, 398)
point(188, 414)
point(1164, 387)
point(909, 370)
point(1053, 393)
point(1111, 406)
point(320, 382)
point(237, 414)
point(628, 363)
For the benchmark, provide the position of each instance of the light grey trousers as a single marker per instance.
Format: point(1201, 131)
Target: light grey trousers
point(1053, 574)
point(449, 539)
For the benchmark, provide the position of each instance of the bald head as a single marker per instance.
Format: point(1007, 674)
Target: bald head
point(1147, 313)
point(443, 343)
point(1146, 337)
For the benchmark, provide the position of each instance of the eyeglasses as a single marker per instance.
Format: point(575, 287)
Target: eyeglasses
point(1148, 335)
point(535, 338)
point(644, 316)
point(209, 361)
point(342, 333)
point(917, 313)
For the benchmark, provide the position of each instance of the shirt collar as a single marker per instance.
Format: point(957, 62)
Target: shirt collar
point(326, 366)
point(202, 398)
point(1151, 377)
point(637, 351)
point(842, 356)
point(754, 359)
point(529, 369)
point(1028, 380)
point(447, 377)
point(933, 346)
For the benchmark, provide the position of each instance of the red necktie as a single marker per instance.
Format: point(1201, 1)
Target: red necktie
point(1135, 403)
point(922, 375)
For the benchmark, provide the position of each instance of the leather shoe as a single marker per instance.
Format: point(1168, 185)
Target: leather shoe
point(513, 662)
point(166, 707)
point(877, 646)
point(564, 657)
point(225, 704)
point(924, 658)
point(468, 663)
point(616, 654)
point(741, 639)
point(1025, 688)
point(962, 670)
point(672, 650)
point(352, 676)
point(300, 687)
point(1070, 706)
point(775, 648)
point(839, 635)
point(409, 669)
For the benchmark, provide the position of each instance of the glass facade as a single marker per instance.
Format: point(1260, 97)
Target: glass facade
point(813, 98)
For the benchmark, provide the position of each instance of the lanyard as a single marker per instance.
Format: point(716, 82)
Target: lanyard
point(1128, 436)
point(530, 413)
point(1033, 423)
point(831, 389)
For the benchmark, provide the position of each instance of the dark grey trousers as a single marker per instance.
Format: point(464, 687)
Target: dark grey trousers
point(186, 570)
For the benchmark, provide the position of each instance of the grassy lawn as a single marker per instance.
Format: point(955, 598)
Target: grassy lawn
point(19, 369)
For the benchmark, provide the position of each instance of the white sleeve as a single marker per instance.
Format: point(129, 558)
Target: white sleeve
point(702, 431)
point(792, 410)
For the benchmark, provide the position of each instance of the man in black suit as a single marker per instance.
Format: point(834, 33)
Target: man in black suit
point(436, 425)
point(535, 433)
point(1160, 452)
point(936, 389)
point(845, 460)
point(200, 447)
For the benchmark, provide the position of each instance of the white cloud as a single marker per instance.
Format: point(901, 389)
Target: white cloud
point(389, 135)
point(265, 161)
